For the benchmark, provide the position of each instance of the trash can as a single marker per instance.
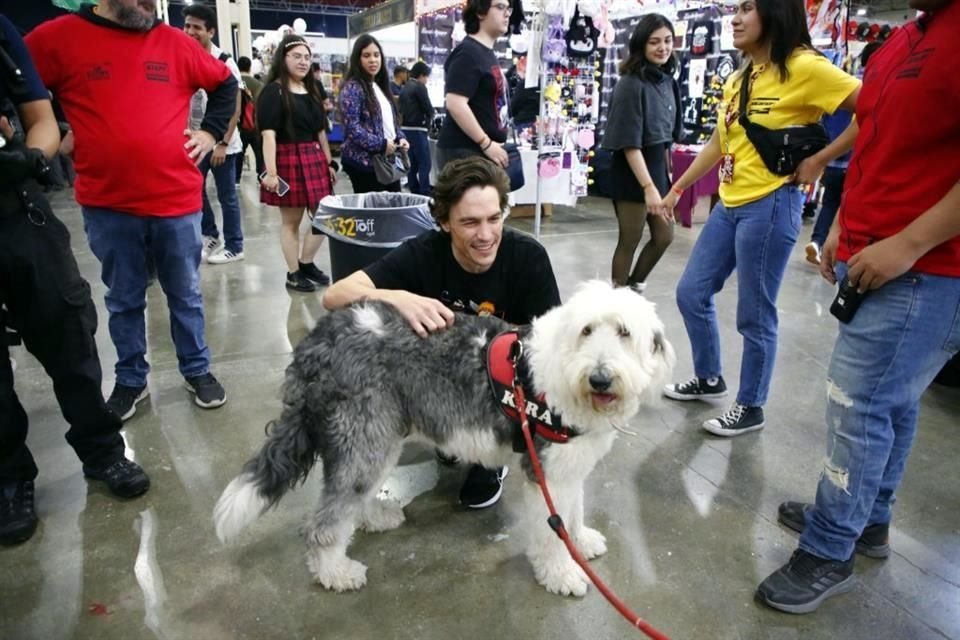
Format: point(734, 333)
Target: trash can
point(363, 227)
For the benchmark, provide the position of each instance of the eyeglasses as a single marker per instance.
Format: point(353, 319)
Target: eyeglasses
point(505, 8)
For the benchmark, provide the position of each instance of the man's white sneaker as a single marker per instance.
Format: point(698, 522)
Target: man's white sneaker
point(813, 253)
point(210, 246)
point(225, 256)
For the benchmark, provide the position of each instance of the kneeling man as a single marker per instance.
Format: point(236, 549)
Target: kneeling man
point(472, 265)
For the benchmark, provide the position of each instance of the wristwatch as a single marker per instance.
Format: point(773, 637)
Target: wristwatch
point(223, 143)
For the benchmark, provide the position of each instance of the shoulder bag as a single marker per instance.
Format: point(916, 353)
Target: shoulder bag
point(782, 150)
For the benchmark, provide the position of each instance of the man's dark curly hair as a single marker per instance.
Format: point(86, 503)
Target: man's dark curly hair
point(460, 175)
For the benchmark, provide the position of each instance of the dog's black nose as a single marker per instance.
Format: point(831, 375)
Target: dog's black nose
point(600, 381)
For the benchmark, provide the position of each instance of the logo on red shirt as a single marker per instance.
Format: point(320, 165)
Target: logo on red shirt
point(158, 71)
point(98, 71)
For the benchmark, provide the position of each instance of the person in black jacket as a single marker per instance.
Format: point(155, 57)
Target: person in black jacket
point(416, 112)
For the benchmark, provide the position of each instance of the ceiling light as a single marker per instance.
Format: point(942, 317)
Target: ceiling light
point(862, 11)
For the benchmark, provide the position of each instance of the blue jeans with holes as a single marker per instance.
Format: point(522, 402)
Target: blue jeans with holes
point(119, 241)
point(883, 361)
point(755, 239)
point(225, 178)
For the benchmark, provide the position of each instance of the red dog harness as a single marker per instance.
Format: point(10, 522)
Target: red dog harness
point(506, 369)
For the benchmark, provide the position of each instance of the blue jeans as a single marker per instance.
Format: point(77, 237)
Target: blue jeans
point(225, 177)
point(883, 361)
point(755, 239)
point(419, 177)
point(832, 180)
point(119, 241)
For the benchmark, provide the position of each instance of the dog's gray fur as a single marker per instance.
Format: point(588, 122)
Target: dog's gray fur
point(363, 382)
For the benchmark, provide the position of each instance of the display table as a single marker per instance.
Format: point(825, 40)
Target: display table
point(555, 190)
point(706, 187)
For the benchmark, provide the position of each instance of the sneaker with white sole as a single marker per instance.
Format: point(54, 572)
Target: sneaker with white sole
point(224, 256)
point(737, 420)
point(123, 400)
point(482, 487)
point(210, 246)
point(207, 391)
point(813, 253)
point(697, 388)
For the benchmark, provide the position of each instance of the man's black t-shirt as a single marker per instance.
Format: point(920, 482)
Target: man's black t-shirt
point(518, 287)
point(472, 71)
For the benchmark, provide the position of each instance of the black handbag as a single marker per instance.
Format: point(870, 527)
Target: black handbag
point(782, 150)
point(391, 167)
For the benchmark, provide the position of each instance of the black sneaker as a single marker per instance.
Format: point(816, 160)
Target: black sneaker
point(299, 282)
point(737, 420)
point(697, 389)
point(874, 542)
point(207, 392)
point(123, 400)
point(483, 487)
point(314, 274)
point(801, 585)
point(18, 520)
point(125, 478)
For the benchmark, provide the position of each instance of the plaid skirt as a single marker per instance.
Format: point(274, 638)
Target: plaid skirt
point(304, 167)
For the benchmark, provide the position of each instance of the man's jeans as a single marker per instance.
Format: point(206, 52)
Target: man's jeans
point(883, 361)
point(225, 177)
point(419, 177)
point(833, 179)
point(119, 241)
point(756, 239)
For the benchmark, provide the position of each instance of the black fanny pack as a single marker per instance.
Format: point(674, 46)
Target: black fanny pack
point(782, 150)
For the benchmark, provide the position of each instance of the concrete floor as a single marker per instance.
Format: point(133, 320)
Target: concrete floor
point(690, 519)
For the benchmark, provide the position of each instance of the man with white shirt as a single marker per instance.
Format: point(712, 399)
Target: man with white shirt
point(200, 24)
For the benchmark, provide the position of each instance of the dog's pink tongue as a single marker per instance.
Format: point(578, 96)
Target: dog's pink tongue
point(604, 398)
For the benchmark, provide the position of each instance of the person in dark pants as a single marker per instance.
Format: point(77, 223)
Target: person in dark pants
point(49, 304)
point(834, 174)
point(416, 112)
point(249, 137)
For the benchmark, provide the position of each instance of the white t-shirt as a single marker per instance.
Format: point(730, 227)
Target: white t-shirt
point(386, 111)
point(198, 104)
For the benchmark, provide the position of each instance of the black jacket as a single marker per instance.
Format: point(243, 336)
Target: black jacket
point(416, 110)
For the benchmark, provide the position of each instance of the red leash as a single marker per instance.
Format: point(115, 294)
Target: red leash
point(556, 523)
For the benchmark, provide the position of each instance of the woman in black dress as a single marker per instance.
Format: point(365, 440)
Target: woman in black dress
point(642, 124)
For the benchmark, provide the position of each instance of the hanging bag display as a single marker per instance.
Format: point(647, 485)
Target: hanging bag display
point(581, 36)
point(782, 150)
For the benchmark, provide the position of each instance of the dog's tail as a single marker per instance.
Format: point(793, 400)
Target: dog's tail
point(285, 460)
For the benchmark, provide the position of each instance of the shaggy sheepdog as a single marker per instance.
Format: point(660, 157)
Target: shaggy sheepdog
point(362, 383)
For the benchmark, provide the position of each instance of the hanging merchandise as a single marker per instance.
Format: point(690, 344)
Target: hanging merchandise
point(554, 45)
point(701, 40)
point(582, 36)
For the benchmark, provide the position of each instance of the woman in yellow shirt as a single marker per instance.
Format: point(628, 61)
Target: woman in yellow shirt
point(756, 223)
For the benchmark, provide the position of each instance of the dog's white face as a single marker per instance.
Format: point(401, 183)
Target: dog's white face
point(601, 355)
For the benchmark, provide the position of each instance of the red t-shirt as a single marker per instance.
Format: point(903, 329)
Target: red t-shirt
point(127, 96)
point(907, 155)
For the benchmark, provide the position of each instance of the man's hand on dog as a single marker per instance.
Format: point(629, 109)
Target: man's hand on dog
point(425, 315)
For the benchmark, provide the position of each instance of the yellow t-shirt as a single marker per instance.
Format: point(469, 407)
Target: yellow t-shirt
point(815, 86)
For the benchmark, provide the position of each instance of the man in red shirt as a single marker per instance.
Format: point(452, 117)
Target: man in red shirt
point(125, 81)
point(896, 241)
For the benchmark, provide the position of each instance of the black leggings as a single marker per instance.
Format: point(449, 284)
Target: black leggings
point(366, 181)
point(630, 217)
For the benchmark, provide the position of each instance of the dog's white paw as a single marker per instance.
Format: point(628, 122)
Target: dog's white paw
point(343, 575)
point(564, 578)
point(381, 515)
point(591, 543)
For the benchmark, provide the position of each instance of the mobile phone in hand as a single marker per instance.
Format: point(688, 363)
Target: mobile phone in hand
point(847, 302)
point(283, 186)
